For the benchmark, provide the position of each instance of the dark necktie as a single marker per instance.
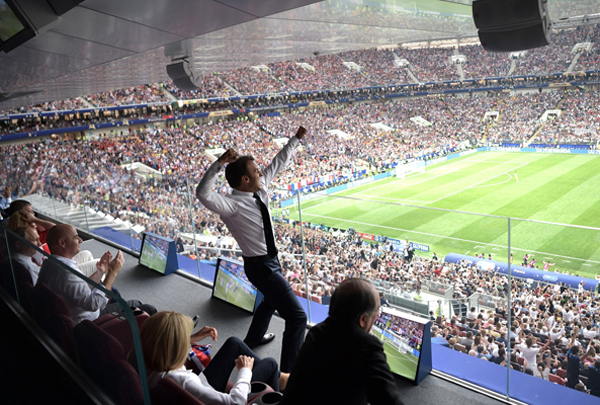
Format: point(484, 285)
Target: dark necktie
point(271, 249)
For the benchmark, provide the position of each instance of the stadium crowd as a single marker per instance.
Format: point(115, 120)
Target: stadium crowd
point(563, 321)
point(375, 67)
point(330, 258)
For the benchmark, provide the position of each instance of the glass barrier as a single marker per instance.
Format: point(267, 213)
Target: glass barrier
point(430, 261)
point(35, 280)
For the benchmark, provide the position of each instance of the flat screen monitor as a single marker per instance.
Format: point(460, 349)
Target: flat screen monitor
point(232, 286)
point(402, 336)
point(14, 27)
point(158, 253)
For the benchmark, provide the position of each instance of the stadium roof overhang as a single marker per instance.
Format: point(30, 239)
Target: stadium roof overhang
point(102, 45)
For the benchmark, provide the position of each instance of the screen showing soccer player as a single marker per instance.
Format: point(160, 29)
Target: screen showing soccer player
point(154, 253)
point(231, 285)
point(402, 337)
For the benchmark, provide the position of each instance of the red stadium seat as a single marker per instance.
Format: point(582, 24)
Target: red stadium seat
point(556, 379)
point(315, 298)
point(103, 359)
point(521, 360)
point(168, 392)
point(562, 373)
point(52, 315)
point(22, 279)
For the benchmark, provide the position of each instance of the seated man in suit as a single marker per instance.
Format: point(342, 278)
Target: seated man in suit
point(83, 302)
point(23, 254)
point(340, 362)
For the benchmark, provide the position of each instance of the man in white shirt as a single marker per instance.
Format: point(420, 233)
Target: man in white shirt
point(23, 253)
point(245, 212)
point(568, 314)
point(83, 303)
point(5, 199)
point(590, 332)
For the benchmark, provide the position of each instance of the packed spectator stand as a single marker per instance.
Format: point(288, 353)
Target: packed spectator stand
point(178, 153)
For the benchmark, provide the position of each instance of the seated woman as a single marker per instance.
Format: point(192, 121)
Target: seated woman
point(166, 338)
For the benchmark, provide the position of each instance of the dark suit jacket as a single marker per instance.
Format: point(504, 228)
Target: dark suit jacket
point(341, 364)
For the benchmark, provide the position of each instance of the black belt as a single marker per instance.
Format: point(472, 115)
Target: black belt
point(257, 259)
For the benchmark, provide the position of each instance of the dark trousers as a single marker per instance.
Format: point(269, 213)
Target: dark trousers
point(278, 295)
point(219, 369)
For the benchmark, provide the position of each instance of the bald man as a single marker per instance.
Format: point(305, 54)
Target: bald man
point(82, 302)
point(340, 362)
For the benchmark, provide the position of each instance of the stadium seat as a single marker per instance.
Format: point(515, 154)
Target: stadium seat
point(460, 348)
point(556, 379)
point(257, 389)
point(52, 315)
point(118, 326)
point(120, 382)
point(103, 359)
point(23, 281)
point(562, 373)
point(521, 360)
point(315, 298)
point(168, 392)
point(516, 366)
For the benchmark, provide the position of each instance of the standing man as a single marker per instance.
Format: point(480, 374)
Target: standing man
point(246, 213)
point(516, 177)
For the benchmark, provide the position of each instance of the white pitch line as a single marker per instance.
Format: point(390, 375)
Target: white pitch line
point(467, 252)
point(472, 186)
point(434, 177)
point(495, 184)
point(476, 185)
point(449, 237)
point(500, 161)
point(586, 264)
point(401, 182)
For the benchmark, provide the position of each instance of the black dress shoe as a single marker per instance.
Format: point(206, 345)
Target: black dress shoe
point(267, 338)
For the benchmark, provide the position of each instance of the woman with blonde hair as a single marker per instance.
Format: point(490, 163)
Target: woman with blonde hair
point(166, 338)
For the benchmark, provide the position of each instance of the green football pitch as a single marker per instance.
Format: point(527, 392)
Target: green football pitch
point(404, 364)
point(152, 258)
point(558, 189)
point(238, 296)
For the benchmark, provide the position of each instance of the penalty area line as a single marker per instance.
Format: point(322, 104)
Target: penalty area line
point(449, 237)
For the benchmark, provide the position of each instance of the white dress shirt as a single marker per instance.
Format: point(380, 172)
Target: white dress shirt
point(239, 210)
point(25, 261)
point(5, 202)
point(82, 302)
point(198, 386)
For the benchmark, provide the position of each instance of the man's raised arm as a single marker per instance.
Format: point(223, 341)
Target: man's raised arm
point(283, 156)
point(214, 201)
